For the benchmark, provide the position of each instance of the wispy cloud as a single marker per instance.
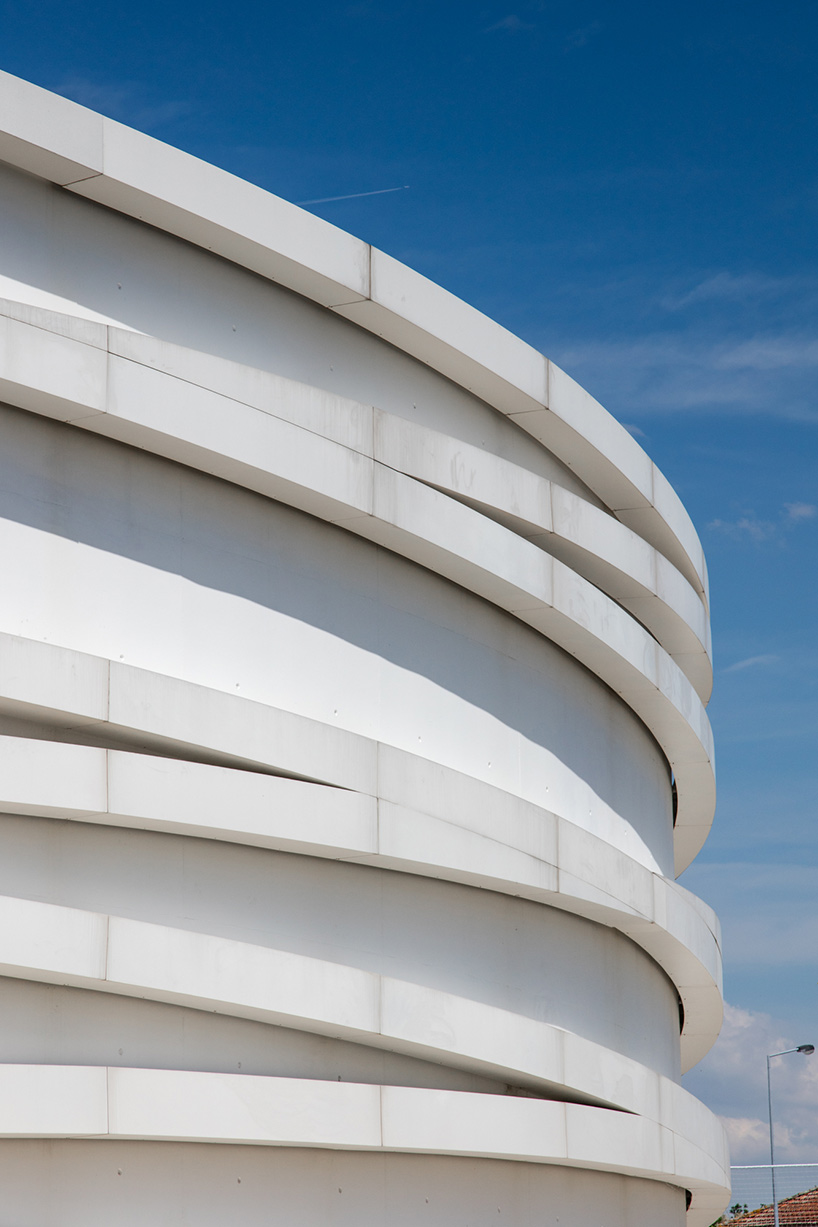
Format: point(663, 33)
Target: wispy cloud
point(749, 526)
point(732, 1080)
point(750, 662)
point(731, 287)
point(674, 372)
point(722, 342)
point(764, 353)
point(582, 36)
point(758, 353)
point(512, 24)
point(127, 101)
point(801, 511)
point(767, 909)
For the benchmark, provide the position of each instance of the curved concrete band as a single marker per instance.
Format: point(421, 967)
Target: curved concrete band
point(115, 954)
point(104, 161)
point(353, 673)
point(48, 369)
point(175, 1105)
point(357, 487)
point(572, 870)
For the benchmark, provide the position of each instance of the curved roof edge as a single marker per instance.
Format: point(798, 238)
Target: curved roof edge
point(137, 175)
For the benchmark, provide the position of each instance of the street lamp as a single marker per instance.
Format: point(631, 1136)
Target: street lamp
point(807, 1050)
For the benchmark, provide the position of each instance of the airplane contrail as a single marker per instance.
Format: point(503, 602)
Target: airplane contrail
point(355, 195)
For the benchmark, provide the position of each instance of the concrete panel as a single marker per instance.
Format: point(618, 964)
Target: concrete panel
point(349, 652)
point(66, 254)
point(92, 1184)
point(64, 1025)
point(178, 1105)
point(134, 523)
point(182, 419)
point(486, 839)
point(203, 972)
point(46, 135)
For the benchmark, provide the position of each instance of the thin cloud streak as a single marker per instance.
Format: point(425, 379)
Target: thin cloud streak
point(727, 344)
point(126, 101)
point(674, 373)
point(759, 353)
point(750, 663)
point(512, 24)
point(729, 287)
point(382, 191)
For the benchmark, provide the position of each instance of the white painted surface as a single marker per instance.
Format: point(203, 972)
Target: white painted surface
point(406, 659)
point(181, 195)
point(509, 953)
point(112, 954)
point(341, 685)
point(174, 1105)
point(163, 397)
point(97, 1183)
point(436, 532)
point(485, 840)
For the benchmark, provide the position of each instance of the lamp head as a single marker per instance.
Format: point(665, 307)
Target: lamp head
point(807, 1049)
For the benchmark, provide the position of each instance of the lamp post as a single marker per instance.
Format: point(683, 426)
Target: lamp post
point(806, 1049)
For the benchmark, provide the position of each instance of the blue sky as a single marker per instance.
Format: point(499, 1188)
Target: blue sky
point(633, 189)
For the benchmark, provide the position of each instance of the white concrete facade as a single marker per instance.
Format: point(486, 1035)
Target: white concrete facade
point(353, 672)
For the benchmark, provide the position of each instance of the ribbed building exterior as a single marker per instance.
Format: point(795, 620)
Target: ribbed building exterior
point(353, 671)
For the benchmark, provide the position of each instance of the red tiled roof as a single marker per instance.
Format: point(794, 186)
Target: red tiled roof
point(798, 1211)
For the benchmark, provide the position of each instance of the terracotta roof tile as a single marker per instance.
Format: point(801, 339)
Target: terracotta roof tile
point(798, 1211)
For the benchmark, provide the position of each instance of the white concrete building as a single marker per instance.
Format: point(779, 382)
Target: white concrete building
point(353, 671)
